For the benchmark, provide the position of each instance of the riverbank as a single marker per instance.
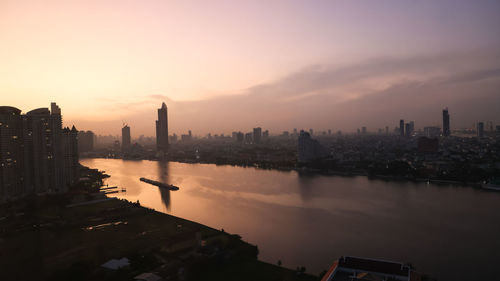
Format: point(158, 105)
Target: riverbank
point(43, 238)
point(328, 172)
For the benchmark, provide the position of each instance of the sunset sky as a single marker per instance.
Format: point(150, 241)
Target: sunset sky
point(232, 65)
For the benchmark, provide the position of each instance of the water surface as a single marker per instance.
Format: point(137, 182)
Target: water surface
point(450, 232)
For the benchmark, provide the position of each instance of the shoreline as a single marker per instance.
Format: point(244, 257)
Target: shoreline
point(324, 172)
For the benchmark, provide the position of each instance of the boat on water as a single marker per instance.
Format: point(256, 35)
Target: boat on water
point(493, 184)
point(160, 184)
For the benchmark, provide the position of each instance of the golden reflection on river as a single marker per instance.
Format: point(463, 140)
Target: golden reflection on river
point(312, 220)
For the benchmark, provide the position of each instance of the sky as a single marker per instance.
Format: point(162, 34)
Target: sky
point(224, 66)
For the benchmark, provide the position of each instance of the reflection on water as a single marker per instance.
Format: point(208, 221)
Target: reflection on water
point(310, 220)
point(163, 172)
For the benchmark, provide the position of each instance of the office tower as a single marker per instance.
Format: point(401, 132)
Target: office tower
point(126, 138)
point(86, 141)
point(257, 134)
point(309, 149)
point(407, 129)
point(480, 130)
point(402, 127)
point(412, 127)
point(162, 129)
point(446, 122)
point(11, 153)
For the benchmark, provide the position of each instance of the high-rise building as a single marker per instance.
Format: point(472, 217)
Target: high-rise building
point(70, 156)
point(11, 153)
point(446, 122)
point(402, 127)
point(34, 152)
point(162, 129)
point(126, 139)
point(257, 134)
point(480, 130)
point(41, 154)
point(309, 149)
point(407, 129)
point(363, 130)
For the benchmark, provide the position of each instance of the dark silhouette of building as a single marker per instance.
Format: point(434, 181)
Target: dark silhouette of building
point(257, 134)
point(126, 139)
point(402, 127)
point(309, 149)
point(11, 153)
point(432, 131)
point(86, 141)
point(363, 130)
point(427, 145)
point(407, 129)
point(480, 130)
point(36, 155)
point(162, 129)
point(70, 155)
point(446, 122)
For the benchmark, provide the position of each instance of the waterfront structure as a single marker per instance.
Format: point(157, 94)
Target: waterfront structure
point(356, 268)
point(309, 149)
point(162, 129)
point(402, 127)
point(446, 123)
point(480, 130)
point(257, 134)
point(126, 139)
point(36, 155)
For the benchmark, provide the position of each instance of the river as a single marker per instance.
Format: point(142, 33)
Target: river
point(449, 232)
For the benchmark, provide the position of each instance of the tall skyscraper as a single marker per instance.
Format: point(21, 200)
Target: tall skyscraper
point(126, 140)
point(162, 129)
point(11, 153)
point(446, 122)
point(45, 170)
point(402, 127)
point(480, 130)
point(70, 156)
point(257, 134)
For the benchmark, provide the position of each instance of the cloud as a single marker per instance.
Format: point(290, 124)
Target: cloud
point(374, 93)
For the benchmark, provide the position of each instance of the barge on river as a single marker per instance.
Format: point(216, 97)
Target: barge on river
point(160, 184)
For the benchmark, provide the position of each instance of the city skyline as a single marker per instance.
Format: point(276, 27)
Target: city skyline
point(218, 67)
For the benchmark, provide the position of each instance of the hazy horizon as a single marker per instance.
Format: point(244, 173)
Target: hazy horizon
point(225, 66)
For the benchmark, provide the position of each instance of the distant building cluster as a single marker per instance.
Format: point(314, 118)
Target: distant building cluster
point(86, 141)
point(37, 155)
